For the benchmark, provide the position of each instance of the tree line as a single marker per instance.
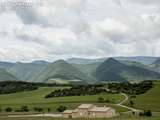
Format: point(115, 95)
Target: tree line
point(78, 90)
point(36, 109)
point(7, 87)
point(131, 88)
point(126, 87)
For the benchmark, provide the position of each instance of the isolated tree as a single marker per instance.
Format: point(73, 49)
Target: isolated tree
point(61, 108)
point(8, 109)
point(148, 113)
point(107, 101)
point(24, 109)
point(49, 109)
point(38, 109)
point(100, 99)
point(131, 103)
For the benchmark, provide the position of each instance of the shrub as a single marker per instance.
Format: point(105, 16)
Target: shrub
point(107, 101)
point(8, 109)
point(49, 109)
point(61, 108)
point(38, 109)
point(24, 109)
point(131, 103)
point(148, 113)
point(100, 99)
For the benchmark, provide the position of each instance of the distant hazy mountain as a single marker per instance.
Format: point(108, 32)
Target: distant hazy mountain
point(5, 76)
point(60, 70)
point(157, 61)
point(156, 65)
point(6, 65)
point(141, 59)
point(113, 70)
point(85, 61)
point(26, 71)
point(89, 70)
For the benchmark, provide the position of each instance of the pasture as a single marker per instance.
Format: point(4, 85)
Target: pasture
point(36, 99)
point(149, 100)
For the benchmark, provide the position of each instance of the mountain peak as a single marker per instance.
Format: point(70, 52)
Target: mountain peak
point(60, 62)
point(157, 61)
point(112, 61)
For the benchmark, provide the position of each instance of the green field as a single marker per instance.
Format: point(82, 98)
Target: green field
point(116, 118)
point(149, 100)
point(36, 99)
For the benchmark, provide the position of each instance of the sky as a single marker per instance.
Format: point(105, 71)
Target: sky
point(59, 29)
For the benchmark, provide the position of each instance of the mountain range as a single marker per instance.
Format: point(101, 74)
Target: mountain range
point(79, 70)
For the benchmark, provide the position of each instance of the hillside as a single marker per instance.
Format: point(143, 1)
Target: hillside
point(89, 70)
point(5, 76)
point(156, 65)
point(61, 70)
point(6, 65)
point(149, 100)
point(113, 70)
point(26, 71)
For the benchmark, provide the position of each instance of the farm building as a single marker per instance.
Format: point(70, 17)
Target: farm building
point(90, 111)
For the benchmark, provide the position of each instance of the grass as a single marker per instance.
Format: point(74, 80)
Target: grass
point(149, 100)
point(116, 118)
point(36, 99)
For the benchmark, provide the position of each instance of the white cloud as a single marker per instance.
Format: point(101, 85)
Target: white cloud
point(81, 28)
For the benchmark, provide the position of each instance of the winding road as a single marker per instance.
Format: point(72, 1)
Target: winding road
point(125, 100)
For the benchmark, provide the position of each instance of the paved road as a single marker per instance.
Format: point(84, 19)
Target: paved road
point(125, 100)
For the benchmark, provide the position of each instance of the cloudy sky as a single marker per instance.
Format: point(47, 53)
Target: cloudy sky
point(53, 29)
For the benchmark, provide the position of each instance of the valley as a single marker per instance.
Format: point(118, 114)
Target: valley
point(121, 79)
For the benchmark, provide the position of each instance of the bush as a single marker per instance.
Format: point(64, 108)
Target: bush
point(49, 109)
point(38, 109)
point(24, 109)
point(100, 99)
point(147, 113)
point(0, 109)
point(8, 109)
point(107, 101)
point(131, 103)
point(61, 108)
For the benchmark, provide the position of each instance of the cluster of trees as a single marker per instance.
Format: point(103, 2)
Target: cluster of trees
point(7, 87)
point(131, 88)
point(78, 91)
point(126, 87)
point(22, 109)
point(36, 109)
point(26, 109)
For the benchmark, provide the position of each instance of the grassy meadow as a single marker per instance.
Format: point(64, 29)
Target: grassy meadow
point(149, 100)
point(116, 118)
point(36, 99)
